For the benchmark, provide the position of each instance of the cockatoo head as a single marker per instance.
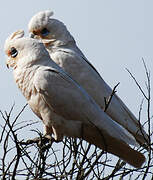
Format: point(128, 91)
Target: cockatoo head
point(52, 31)
point(23, 50)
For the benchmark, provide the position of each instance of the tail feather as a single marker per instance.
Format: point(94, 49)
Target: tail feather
point(132, 124)
point(101, 139)
point(113, 146)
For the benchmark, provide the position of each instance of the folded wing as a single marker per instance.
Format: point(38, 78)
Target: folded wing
point(74, 62)
point(70, 101)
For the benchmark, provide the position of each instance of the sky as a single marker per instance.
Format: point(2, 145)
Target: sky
point(114, 35)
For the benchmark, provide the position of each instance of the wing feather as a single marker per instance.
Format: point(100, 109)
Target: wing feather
point(70, 101)
point(76, 64)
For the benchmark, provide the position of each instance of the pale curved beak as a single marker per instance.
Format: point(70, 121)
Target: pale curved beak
point(7, 64)
point(34, 36)
point(31, 35)
point(45, 41)
point(48, 42)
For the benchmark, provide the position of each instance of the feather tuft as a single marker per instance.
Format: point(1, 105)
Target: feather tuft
point(49, 13)
point(16, 35)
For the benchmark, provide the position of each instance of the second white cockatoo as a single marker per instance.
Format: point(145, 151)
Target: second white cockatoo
point(64, 107)
point(64, 51)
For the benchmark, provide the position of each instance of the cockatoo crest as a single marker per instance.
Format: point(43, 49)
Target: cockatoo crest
point(17, 34)
point(40, 20)
point(50, 31)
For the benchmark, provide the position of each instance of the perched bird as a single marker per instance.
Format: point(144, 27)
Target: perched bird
point(64, 51)
point(64, 107)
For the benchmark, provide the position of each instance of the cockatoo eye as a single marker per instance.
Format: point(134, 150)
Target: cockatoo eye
point(13, 52)
point(44, 32)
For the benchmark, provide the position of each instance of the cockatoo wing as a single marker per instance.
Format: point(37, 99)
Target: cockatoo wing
point(69, 100)
point(90, 79)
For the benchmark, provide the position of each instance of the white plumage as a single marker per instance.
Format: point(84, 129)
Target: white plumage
point(64, 51)
point(64, 106)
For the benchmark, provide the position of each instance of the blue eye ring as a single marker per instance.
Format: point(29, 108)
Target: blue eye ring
point(44, 32)
point(13, 52)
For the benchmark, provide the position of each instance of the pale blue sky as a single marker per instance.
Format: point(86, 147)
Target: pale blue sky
point(113, 34)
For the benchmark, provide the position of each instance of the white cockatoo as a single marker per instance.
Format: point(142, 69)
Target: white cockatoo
point(64, 51)
point(64, 107)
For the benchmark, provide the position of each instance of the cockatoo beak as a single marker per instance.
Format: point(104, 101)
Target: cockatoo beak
point(48, 41)
point(31, 35)
point(44, 41)
point(34, 36)
point(7, 64)
point(10, 63)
